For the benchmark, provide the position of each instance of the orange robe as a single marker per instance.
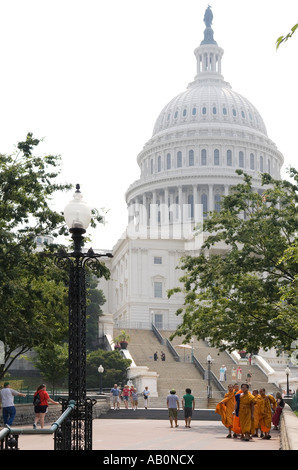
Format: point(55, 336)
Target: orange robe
point(257, 411)
point(225, 409)
point(236, 424)
point(266, 412)
point(246, 423)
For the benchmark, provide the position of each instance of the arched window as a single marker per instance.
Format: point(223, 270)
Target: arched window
point(214, 110)
point(191, 158)
point(252, 161)
point(229, 157)
point(151, 166)
point(261, 163)
point(204, 110)
point(184, 112)
point(269, 166)
point(194, 111)
point(241, 159)
point(203, 157)
point(159, 163)
point(217, 202)
point(179, 159)
point(168, 161)
point(234, 112)
point(224, 111)
point(204, 202)
point(216, 157)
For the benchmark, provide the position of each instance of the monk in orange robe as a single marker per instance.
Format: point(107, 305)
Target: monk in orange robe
point(246, 412)
point(236, 425)
point(225, 409)
point(257, 415)
point(267, 407)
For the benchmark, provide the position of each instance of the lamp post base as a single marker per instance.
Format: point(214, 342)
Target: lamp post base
point(76, 431)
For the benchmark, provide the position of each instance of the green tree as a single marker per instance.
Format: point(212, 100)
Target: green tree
point(95, 300)
point(52, 363)
point(33, 292)
point(115, 368)
point(235, 289)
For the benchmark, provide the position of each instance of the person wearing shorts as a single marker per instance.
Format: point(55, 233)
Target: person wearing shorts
point(173, 407)
point(41, 409)
point(115, 393)
point(125, 395)
point(135, 399)
point(188, 403)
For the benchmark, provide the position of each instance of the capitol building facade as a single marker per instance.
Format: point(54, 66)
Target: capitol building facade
point(200, 138)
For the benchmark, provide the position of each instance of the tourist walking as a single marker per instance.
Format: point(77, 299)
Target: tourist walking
point(222, 372)
point(41, 406)
point(125, 395)
point(7, 395)
point(278, 410)
point(135, 399)
point(173, 407)
point(146, 394)
point(239, 373)
point(115, 394)
point(188, 404)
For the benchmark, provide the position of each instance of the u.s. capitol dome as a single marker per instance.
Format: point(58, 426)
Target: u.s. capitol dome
point(201, 137)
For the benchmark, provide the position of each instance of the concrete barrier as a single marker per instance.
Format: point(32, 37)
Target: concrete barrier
point(288, 429)
point(25, 412)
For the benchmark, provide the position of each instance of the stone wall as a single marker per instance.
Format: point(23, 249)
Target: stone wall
point(288, 429)
point(25, 412)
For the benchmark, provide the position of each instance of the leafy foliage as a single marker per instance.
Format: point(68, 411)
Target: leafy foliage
point(282, 39)
point(239, 291)
point(115, 368)
point(33, 291)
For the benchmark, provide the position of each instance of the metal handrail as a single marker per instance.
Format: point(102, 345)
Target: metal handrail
point(16, 431)
point(173, 350)
point(157, 334)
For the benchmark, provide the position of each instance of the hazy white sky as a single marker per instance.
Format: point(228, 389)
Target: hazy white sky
point(92, 76)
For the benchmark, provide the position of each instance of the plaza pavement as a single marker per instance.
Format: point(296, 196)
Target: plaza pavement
point(156, 435)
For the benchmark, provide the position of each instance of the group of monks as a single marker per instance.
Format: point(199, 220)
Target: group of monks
point(246, 414)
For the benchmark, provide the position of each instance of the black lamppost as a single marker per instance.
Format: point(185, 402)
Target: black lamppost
point(100, 371)
point(287, 371)
point(76, 433)
point(209, 388)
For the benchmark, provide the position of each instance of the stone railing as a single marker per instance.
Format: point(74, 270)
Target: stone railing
point(288, 429)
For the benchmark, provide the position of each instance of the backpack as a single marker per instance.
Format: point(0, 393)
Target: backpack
point(36, 400)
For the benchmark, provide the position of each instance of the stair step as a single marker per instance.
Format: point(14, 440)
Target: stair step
point(183, 374)
point(159, 413)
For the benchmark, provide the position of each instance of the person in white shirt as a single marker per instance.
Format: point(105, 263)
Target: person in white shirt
point(7, 395)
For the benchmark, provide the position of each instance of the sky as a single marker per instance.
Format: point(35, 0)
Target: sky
point(91, 77)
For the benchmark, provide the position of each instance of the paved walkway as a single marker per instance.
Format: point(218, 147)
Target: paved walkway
point(154, 435)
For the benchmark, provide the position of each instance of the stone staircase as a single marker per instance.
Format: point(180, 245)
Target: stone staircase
point(183, 374)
